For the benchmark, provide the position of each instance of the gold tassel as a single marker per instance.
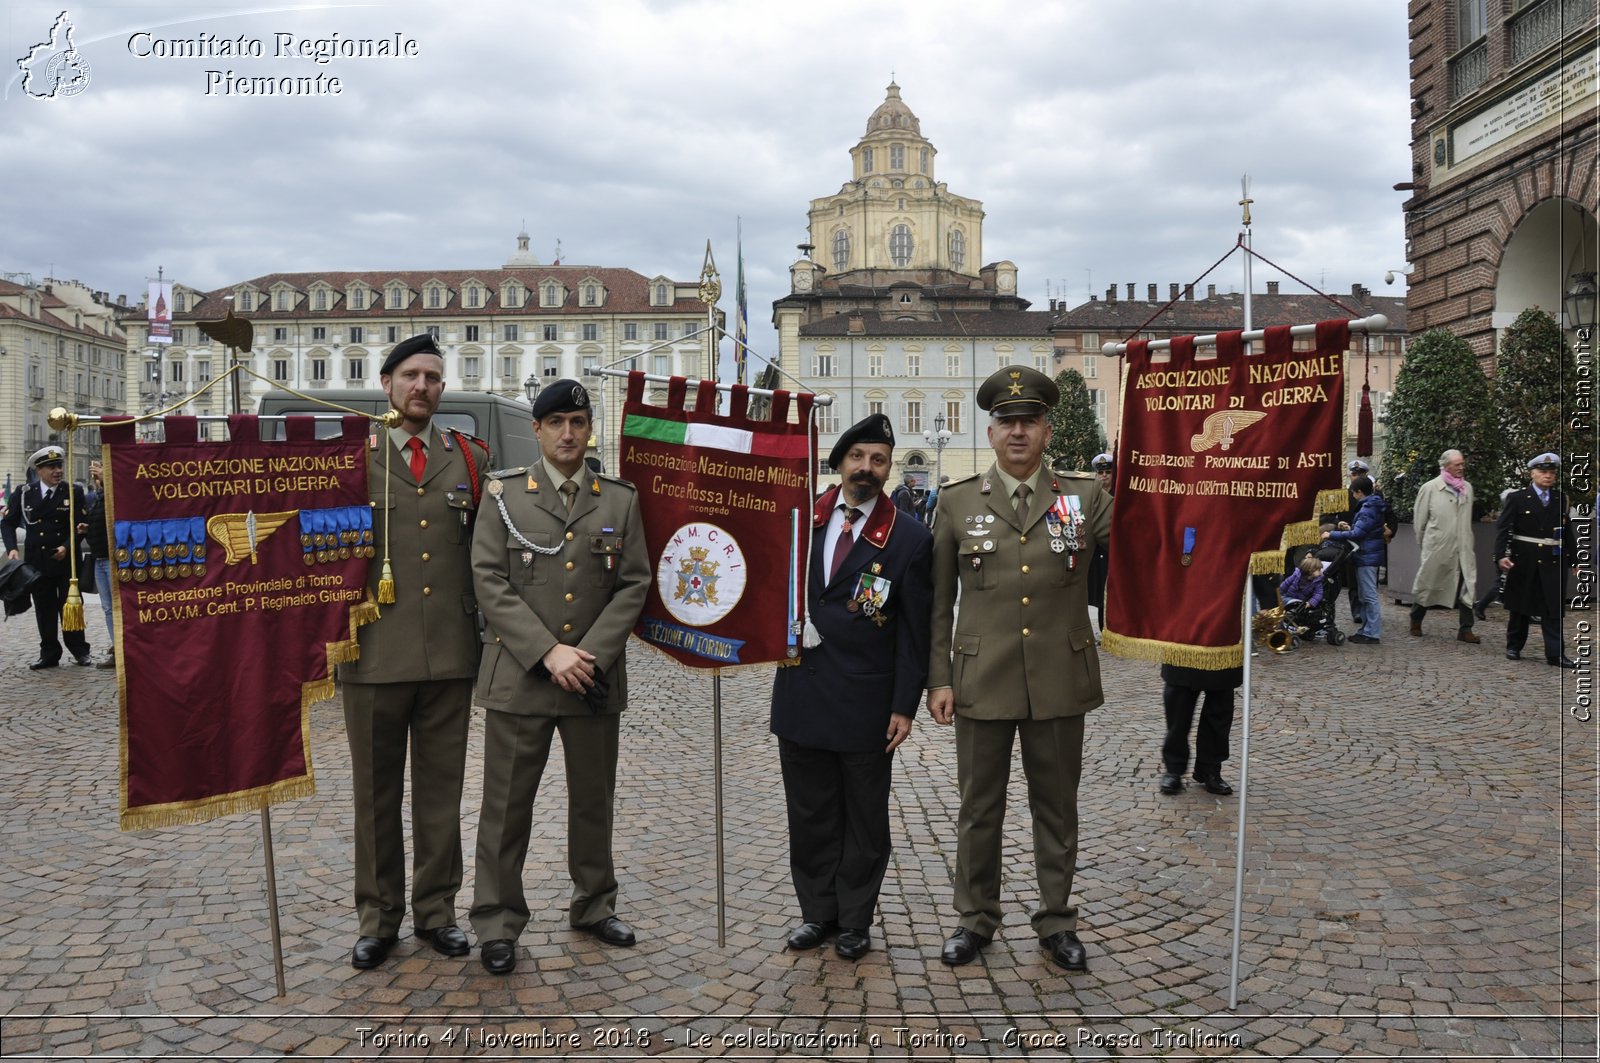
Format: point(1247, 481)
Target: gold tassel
point(386, 585)
point(72, 612)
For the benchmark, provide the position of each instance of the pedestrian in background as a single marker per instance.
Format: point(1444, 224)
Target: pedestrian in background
point(1447, 576)
point(45, 511)
point(1366, 531)
point(98, 539)
point(1534, 545)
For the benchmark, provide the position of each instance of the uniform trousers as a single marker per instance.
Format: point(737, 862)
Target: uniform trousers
point(1549, 627)
point(1211, 737)
point(516, 749)
point(49, 596)
point(1052, 757)
point(839, 843)
point(379, 718)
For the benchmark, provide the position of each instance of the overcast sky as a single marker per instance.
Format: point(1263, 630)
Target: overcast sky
point(1106, 141)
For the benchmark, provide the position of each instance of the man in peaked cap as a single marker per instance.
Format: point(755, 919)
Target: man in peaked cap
point(412, 684)
point(1534, 545)
point(561, 570)
point(842, 710)
point(1020, 662)
point(41, 509)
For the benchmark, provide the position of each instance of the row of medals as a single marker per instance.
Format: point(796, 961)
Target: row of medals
point(1052, 521)
point(170, 561)
point(324, 547)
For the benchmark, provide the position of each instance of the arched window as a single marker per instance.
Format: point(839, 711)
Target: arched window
point(900, 245)
point(591, 295)
point(841, 250)
point(958, 249)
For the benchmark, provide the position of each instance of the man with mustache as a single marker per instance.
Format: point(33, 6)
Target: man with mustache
point(842, 709)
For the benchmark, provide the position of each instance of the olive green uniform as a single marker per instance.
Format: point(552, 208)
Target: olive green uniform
point(1020, 659)
point(586, 592)
point(413, 683)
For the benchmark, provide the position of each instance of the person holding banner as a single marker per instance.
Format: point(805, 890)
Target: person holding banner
point(41, 509)
point(412, 683)
point(561, 571)
point(844, 708)
point(1531, 540)
point(1020, 663)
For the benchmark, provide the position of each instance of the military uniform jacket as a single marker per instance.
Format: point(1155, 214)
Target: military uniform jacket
point(1533, 586)
point(588, 594)
point(46, 524)
point(1022, 645)
point(873, 660)
point(430, 631)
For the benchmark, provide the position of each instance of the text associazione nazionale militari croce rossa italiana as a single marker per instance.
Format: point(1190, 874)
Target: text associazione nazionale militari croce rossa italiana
point(322, 52)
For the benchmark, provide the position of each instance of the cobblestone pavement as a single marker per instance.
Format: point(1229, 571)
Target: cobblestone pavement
point(1420, 883)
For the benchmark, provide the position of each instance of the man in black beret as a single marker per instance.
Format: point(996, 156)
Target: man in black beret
point(561, 571)
point(412, 684)
point(842, 710)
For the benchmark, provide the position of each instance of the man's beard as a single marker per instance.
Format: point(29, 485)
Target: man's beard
point(862, 486)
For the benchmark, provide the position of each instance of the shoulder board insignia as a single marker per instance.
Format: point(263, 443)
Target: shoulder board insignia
point(611, 479)
point(962, 480)
point(506, 474)
point(1077, 475)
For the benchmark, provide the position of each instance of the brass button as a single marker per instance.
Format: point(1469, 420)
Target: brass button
point(423, 523)
point(1026, 632)
point(427, 557)
point(427, 591)
point(419, 490)
point(569, 566)
point(1022, 539)
point(1025, 600)
point(1025, 570)
point(569, 596)
point(497, 638)
point(566, 629)
point(570, 537)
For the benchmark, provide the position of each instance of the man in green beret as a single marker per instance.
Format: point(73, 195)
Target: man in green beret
point(1019, 663)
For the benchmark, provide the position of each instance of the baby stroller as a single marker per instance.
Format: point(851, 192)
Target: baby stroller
point(1309, 623)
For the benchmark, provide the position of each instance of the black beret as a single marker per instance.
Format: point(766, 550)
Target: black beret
point(1016, 389)
point(564, 396)
point(423, 344)
point(873, 428)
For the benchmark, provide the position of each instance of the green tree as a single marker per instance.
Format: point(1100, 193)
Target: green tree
point(1075, 434)
point(1441, 402)
point(1533, 375)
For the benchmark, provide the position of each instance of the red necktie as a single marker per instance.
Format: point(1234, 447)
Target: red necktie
point(841, 545)
point(419, 458)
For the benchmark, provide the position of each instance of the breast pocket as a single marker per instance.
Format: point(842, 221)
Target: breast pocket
point(605, 551)
point(529, 566)
point(460, 519)
point(978, 564)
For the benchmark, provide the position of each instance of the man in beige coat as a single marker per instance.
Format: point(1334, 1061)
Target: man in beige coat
point(413, 680)
point(1019, 661)
point(1448, 573)
point(561, 571)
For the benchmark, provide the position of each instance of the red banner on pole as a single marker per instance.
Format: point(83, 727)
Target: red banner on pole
point(240, 579)
point(1224, 464)
point(727, 516)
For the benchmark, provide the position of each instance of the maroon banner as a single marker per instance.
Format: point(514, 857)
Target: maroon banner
point(726, 502)
point(1223, 465)
point(240, 577)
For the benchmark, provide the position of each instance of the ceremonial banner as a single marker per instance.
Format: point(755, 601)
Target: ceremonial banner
point(1223, 465)
point(240, 578)
point(726, 502)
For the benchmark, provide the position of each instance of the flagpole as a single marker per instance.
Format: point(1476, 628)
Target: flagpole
point(1244, 793)
point(716, 758)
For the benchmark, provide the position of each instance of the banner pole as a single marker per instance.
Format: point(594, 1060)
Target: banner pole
point(1244, 793)
point(716, 756)
point(272, 899)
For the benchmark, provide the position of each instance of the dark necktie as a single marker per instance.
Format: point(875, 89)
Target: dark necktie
point(1023, 491)
point(841, 545)
point(419, 458)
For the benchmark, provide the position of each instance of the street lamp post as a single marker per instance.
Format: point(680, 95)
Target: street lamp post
point(531, 387)
point(1581, 302)
point(938, 439)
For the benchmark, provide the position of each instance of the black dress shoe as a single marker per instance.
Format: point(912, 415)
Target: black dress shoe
point(853, 944)
point(963, 947)
point(369, 952)
point(810, 935)
point(446, 940)
point(1562, 662)
point(499, 956)
point(1477, 611)
point(611, 930)
point(1513, 655)
point(1065, 950)
point(82, 660)
point(1170, 783)
point(41, 664)
point(1213, 784)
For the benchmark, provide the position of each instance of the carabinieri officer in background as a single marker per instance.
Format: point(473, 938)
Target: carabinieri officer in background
point(561, 569)
point(41, 510)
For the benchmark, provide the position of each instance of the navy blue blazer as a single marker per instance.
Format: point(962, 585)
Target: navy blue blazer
point(842, 693)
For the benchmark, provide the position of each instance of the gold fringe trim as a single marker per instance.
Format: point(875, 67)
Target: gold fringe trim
point(1267, 562)
point(1333, 501)
point(1209, 658)
point(365, 613)
point(182, 813)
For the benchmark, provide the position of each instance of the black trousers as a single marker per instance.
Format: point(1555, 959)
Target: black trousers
point(49, 595)
point(1211, 738)
point(1549, 626)
point(838, 831)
